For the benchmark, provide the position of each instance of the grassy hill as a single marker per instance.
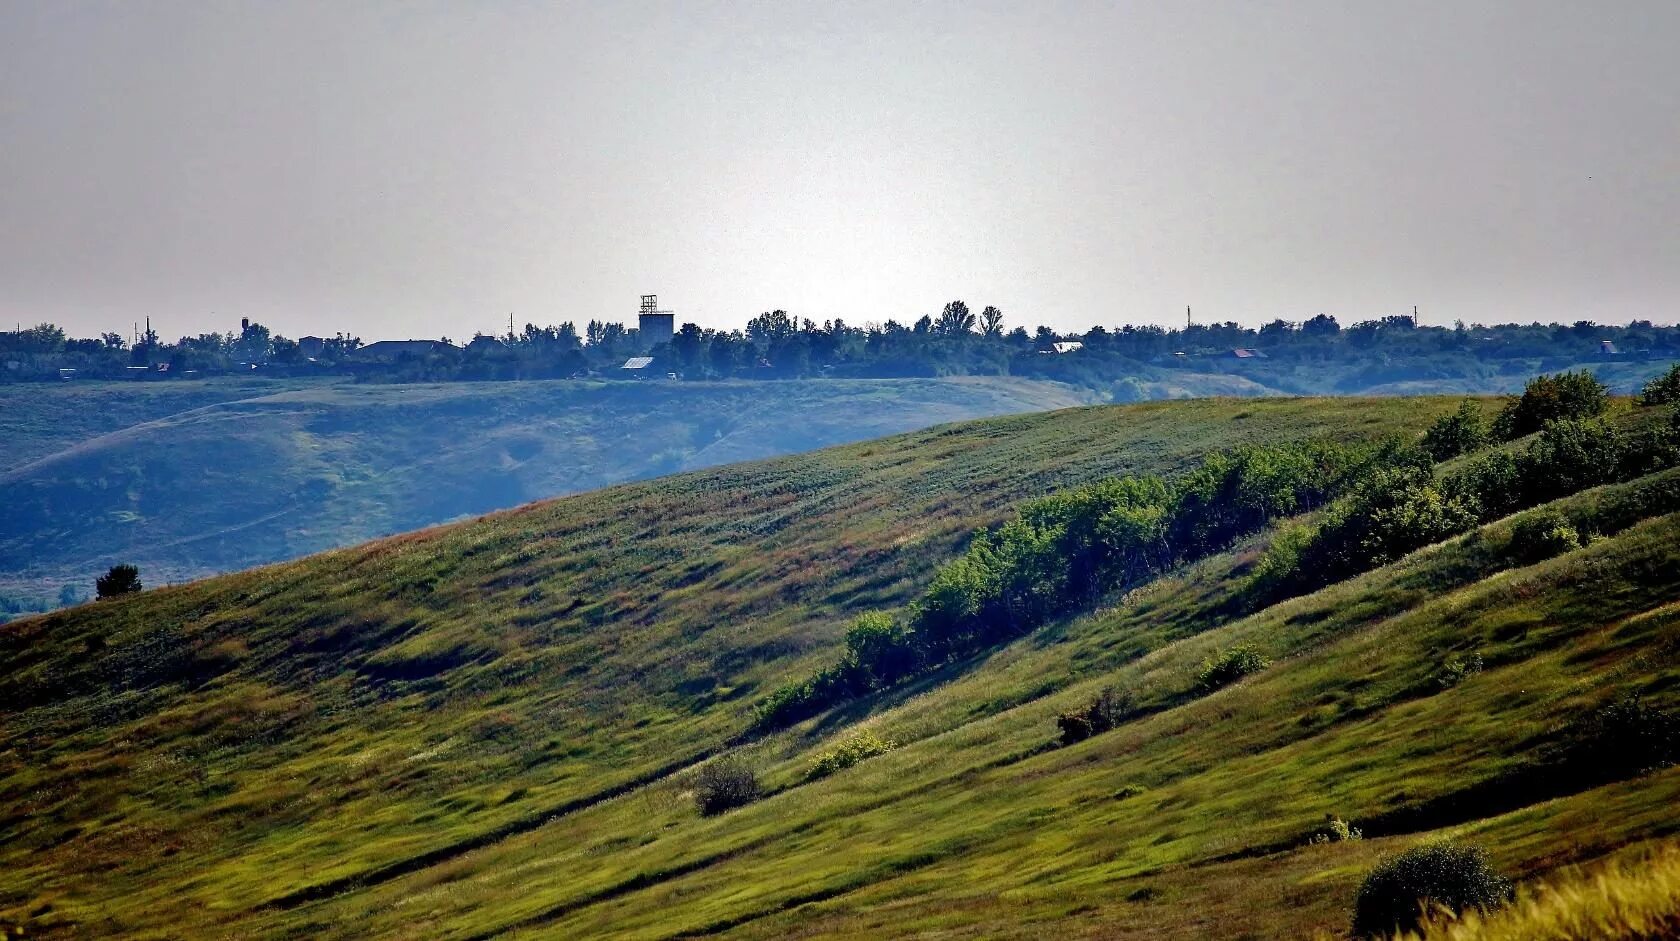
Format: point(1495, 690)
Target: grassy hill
point(189, 479)
point(492, 728)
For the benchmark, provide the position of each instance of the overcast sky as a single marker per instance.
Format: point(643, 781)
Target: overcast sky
point(424, 169)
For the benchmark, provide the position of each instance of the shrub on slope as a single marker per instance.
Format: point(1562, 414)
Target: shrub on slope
point(1403, 890)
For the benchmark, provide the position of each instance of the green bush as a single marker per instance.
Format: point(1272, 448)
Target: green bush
point(1101, 714)
point(1491, 486)
point(1566, 396)
point(1334, 830)
point(1229, 666)
point(1456, 669)
point(1663, 390)
point(878, 647)
point(1280, 568)
point(1568, 457)
point(1459, 433)
point(120, 580)
point(849, 752)
point(1626, 738)
point(1390, 514)
point(1542, 535)
point(1403, 890)
point(724, 783)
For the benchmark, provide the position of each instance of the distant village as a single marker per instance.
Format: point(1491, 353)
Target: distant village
point(1313, 355)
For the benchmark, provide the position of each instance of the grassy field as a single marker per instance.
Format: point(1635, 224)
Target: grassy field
point(491, 728)
point(188, 479)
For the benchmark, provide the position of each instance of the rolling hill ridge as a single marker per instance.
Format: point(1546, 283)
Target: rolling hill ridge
point(494, 728)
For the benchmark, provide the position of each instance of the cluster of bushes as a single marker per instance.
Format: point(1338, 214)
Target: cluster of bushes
point(1060, 551)
point(1405, 506)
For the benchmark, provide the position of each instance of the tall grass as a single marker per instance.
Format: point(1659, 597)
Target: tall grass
point(1636, 899)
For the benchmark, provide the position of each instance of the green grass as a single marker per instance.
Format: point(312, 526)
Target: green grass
point(488, 728)
point(187, 479)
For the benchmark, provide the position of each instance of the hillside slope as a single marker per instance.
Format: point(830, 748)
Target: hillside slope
point(486, 729)
point(234, 474)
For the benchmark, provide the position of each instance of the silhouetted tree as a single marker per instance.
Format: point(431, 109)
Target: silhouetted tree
point(955, 320)
point(120, 580)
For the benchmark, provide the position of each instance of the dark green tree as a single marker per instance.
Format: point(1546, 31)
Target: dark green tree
point(122, 579)
point(1559, 397)
point(1663, 390)
point(1459, 433)
point(954, 320)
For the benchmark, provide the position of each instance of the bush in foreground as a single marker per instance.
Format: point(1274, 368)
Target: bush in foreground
point(1434, 878)
point(120, 580)
point(724, 783)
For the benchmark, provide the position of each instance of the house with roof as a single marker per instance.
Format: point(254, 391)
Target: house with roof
point(389, 351)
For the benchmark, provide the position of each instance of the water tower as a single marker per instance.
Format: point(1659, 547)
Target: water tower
point(656, 325)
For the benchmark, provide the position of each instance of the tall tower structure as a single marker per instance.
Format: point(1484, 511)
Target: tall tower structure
point(656, 326)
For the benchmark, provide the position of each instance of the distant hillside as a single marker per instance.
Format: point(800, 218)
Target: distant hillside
point(39, 420)
point(492, 729)
point(189, 479)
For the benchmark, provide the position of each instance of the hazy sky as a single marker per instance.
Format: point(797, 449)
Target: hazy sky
point(423, 169)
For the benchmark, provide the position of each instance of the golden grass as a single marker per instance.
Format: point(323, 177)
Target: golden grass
point(1630, 899)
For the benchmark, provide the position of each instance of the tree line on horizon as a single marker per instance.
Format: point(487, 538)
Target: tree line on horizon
point(954, 342)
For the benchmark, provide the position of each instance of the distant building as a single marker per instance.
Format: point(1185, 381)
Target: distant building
point(637, 363)
point(66, 374)
point(656, 326)
point(312, 347)
point(1068, 346)
point(1248, 354)
point(1607, 347)
point(389, 351)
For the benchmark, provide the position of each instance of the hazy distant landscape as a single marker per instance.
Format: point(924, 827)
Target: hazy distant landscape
point(189, 479)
